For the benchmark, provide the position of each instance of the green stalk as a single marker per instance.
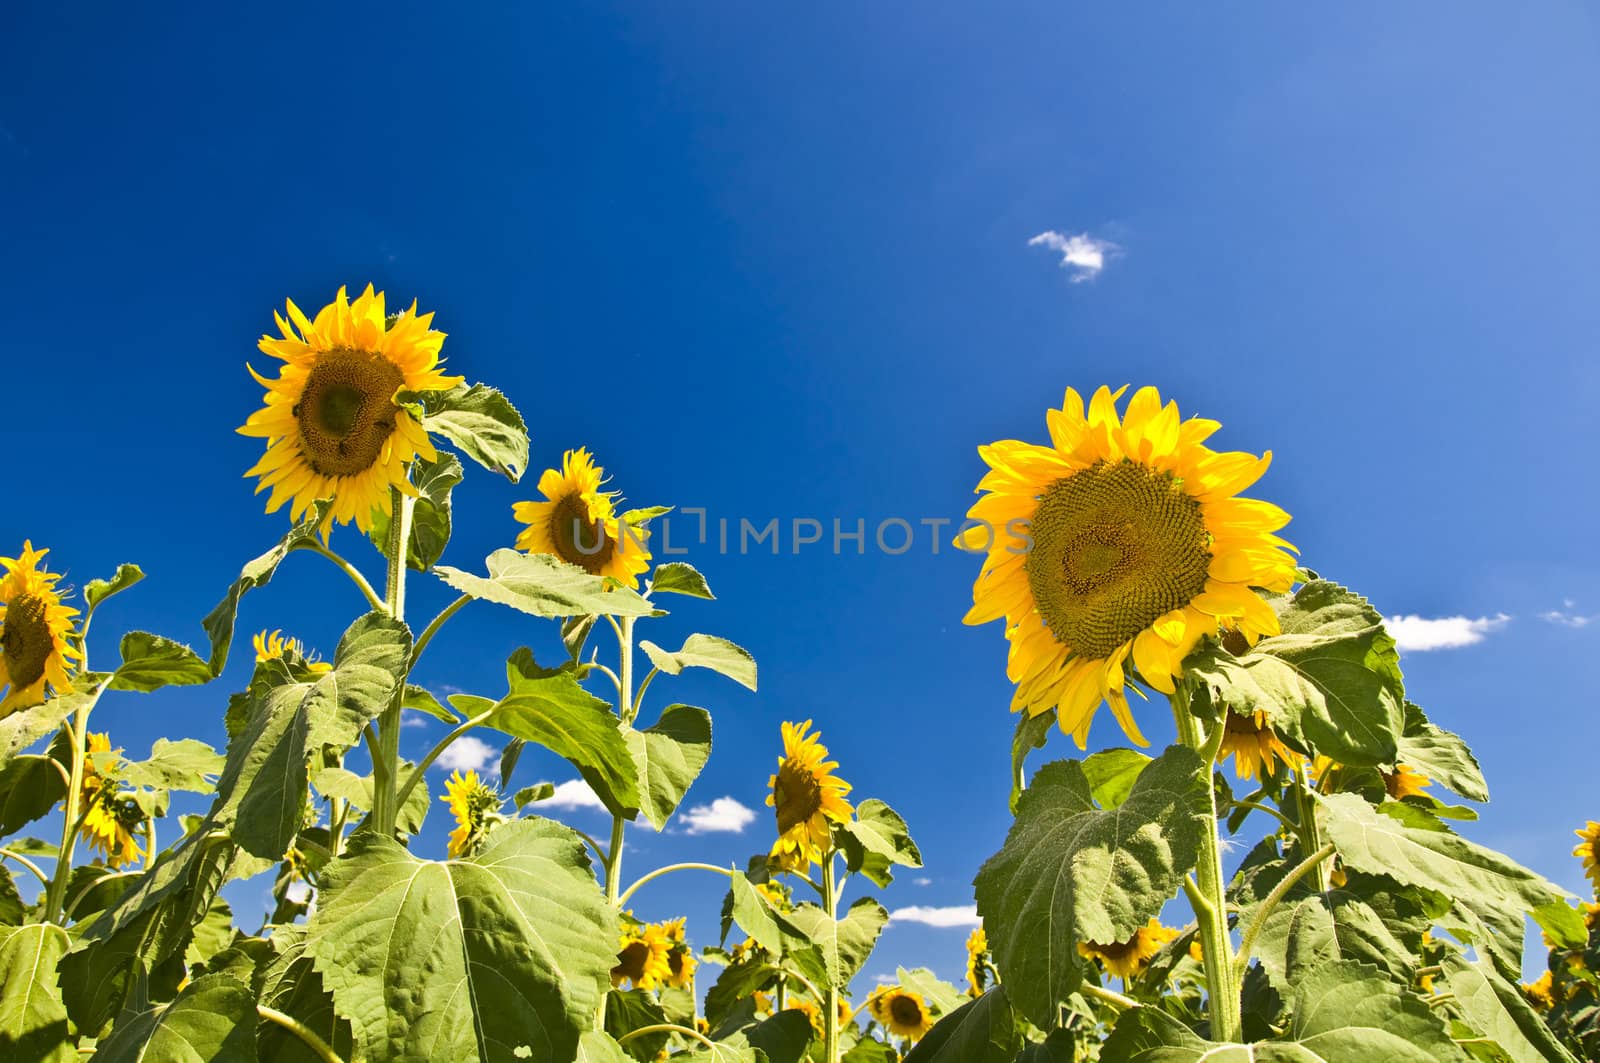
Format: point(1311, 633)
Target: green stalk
point(624, 710)
point(1309, 833)
point(1222, 990)
point(830, 1016)
point(72, 813)
point(386, 763)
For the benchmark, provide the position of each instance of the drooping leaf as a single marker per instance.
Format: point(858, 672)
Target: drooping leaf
point(554, 711)
point(12, 911)
point(366, 667)
point(528, 795)
point(940, 995)
point(678, 577)
point(30, 786)
point(257, 573)
point(468, 960)
point(1032, 733)
point(1562, 924)
point(150, 662)
point(290, 983)
point(1072, 871)
point(212, 1020)
point(878, 829)
point(480, 421)
point(980, 1031)
point(843, 945)
point(98, 590)
point(596, 1046)
point(33, 1021)
point(184, 764)
point(706, 651)
point(1112, 773)
point(543, 585)
point(636, 1009)
point(1331, 680)
point(1441, 756)
point(1321, 928)
point(669, 757)
point(422, 701)
point(24, 727)
point(1497, 1009)
point(430, 516)
point(783, 1038)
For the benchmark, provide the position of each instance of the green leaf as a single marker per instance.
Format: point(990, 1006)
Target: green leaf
point(1112, 773)
point(634, 1009)
point(980, 1031)
point(669, 757)
point(466, 960)
point(1330, 681)
point(291, 984)
point(1441, 756)
point(555, 712)
point(33, 1021)
point(480, 421)
point(185, 764)
point(940, 995)
point(706, 651)
point(12, 911)
point(258, 573)
point(212, 1020)
point(877, 828)
point(357, 790)
point(1071, 871)
point(597, 1047)
point(98, 590)
point(430, 516)
point(868, 1050)
point(543, 585)
point(1562, 924)
point(1479, 879)
point(1497, 1009)
point(528, 795)
point(422, 701)
point(845, 945)
point(1325, 927)
point(371, 656)
point(150, 662)
point(678, 577)
point(1032, 733)
point(30, 786)
point(23, 728)
point(784, 1037)
point(757, 918)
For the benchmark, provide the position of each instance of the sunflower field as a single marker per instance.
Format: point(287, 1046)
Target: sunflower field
point(1283, 883)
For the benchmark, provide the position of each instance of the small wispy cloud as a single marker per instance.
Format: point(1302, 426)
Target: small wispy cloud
point(411, 718)
point(922, 880)
point(725, 815)
point(573, 794)
point(1419, 634)
point(1568, 616)
point(1082, 255)
point(469, 753)
point(959, 915)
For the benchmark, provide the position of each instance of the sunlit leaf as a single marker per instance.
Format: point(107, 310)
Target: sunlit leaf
point(98, 590)
point(542, 585)
point(150, 662)
point(678, 577)
point(212, 1020)
point(480, 421)
point(669, 757)
point(980, 1031)
point(706, 651)
point(430, 516)
point(1440, 755)
point(33, 1021)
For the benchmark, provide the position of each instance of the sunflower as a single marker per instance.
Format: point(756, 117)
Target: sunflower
point(1541, 993)
point(332, 427)
point(807, 798)
point(471, 801)
point(1405, 781)
point(1125, 959)
point(811, 1010)
point(901, 1012)
point(777, 895)
point(1122, 543)
point(109, 820)
point(977, 970)
point(272, 647)
point(35, 632)
point(578, 522)
point(1254, 744)
point(1589, 850)
point(643, 957)
point(680, 958)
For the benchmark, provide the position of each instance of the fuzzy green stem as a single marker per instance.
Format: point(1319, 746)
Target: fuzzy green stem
point(72, 813)
point(830, 1014)
point(433, 628)
point(668, 1027)
point(38, 873)
point(1247, 938)
point(308, 1036)
point(386, 761)
point(1308, 832)
point(624, 632)
point(658, 872)
point(434, 754)
point(1109, 996)
point(1222, 990)
point(349, 570)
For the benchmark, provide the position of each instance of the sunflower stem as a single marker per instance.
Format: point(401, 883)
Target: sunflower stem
point(624, 711)
point(349, 570)
point(658, 872)
point(308, 1037)
point(386, 761)
point(830, 1015)
point(1308, 832)
point(1247, 938)
point(1222, 990)
point(72, 814)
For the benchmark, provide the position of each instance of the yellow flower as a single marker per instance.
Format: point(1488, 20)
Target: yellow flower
point(109, 820)
point(35, 632)
point(1405, 781)
point(272, 647)
point(470, 800)
point(1255, 746)
point(331, 424)
point(1125, 959)
point(577, 522)
point(761, 1001)
point(1541, 992)
point(1122, 543)
point(807, 798)
point(811, 1009)
point(680, 958)
point(776, 896)
point(643, 957)
point(1197, 951)
point(901, 1012)
point(1589, 850)
point(977, 972)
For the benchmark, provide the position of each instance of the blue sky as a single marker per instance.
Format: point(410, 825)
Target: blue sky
point(776, 263)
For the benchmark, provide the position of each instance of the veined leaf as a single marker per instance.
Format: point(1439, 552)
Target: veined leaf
point(480, 421)
point(939, 994)
point(879, 830)
point(1498, 1010)
point(597, 1047)
point(185, 764)
point(150, 662)
point(24, 727)
point(422, 701)
point(98, 590)
point(469, 960)
point(669, 757)
point(706, 651)
point(30, 786)
point(542, 585)
point(678, 577)
point(290, 984)
point(980, 1031)
point(212, 1020)
point(430, 516)
point(553, 711)
point(844, 945)
point(1330, 681)
point(1112, 773)
point(1441, 756)
point(1072, 871)
point(33, 1021)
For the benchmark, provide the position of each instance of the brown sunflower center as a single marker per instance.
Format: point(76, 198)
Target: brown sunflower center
point(905, 1011)
point(579, 540)
point(1244, 726)
point(1115, 548)
point(796, 794)
point(346, 411)
point(25, 639)
point(631, 961)
point(1117, 950)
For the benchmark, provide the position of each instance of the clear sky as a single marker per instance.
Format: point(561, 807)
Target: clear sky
point(775, 261)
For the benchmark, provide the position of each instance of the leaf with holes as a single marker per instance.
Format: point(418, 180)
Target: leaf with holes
point(542, 585)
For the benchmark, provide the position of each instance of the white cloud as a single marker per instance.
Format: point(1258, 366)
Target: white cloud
point(468, 753)
point(923, 880)
point(573, 794)
point(1567, 618)
point(1417, 634)
point(722, 816)
point(960, 915)
point(1082, 255)
point(412, 718)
